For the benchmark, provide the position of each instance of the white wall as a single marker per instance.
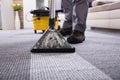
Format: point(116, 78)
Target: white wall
point(7, 16)
point(46, 3)
point(41, 3)
point(28, 6)
point(58, 4)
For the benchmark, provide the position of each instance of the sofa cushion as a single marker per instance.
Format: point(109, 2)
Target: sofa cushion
point(100, 8)
point(105, 7)
point(115, 6)
point(101, 2)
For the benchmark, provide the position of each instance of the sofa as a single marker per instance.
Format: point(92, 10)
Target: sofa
point(104, 15)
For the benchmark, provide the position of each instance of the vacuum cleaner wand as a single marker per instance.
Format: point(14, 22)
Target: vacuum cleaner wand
point(52, 41)
point(52, 15)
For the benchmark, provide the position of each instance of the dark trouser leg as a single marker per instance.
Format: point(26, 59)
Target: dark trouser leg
point(67, 6)
point(80, 11)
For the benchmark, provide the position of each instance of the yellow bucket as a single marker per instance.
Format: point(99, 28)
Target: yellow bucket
point(42, 23)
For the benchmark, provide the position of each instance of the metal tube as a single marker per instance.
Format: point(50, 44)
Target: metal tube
point(52, 9)
point(52, 15)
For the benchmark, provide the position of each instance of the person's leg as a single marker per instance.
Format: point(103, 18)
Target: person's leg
point(80, 11)
point(79, 20)
point(67, 25)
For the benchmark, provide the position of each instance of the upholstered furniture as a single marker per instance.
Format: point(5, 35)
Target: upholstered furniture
point(104, 15)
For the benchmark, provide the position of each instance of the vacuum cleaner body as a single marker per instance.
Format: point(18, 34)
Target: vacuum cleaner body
point(41, 19)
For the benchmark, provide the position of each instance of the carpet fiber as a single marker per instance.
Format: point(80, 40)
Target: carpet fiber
point(97, 58)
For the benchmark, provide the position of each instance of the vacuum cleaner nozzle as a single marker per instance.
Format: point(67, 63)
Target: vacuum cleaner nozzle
point(52, 41)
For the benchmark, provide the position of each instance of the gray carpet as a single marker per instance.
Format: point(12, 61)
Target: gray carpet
point(102, 49)
point(97, 58)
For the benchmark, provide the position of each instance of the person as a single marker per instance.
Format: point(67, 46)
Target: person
point(75, 20)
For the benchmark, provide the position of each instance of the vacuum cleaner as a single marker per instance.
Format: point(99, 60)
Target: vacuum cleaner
point(52, 41)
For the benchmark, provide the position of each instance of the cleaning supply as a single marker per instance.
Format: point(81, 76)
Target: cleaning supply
point(40, 19)
point(52, 41)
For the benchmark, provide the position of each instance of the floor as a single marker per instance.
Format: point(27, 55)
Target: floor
point(98, 58)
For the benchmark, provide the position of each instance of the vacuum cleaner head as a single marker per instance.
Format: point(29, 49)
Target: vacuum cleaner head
point(52, 41)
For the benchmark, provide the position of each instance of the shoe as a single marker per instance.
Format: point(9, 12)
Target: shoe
point(65, 32)
point(76, 37)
